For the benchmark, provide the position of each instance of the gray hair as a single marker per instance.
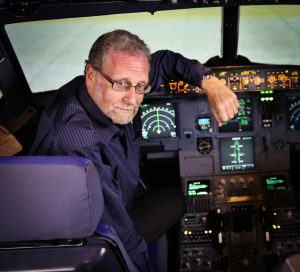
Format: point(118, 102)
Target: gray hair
point(116, 41)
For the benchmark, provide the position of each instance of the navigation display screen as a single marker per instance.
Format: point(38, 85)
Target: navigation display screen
point(237, 153)
point(294, 112)
point(158, 120)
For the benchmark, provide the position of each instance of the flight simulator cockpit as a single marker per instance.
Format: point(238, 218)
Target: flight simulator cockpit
point(241, 180)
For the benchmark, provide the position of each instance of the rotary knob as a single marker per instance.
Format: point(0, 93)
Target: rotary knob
point(257, 80)
point(272, 79)
point(283, 78)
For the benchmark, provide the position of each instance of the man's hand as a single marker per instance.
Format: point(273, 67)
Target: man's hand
point(223, 102)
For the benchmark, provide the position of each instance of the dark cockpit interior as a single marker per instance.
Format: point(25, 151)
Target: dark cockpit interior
point(241, 181)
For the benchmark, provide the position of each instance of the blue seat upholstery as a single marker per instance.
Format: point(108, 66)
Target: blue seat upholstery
point(50, 207)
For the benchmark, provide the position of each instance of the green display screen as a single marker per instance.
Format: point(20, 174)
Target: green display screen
point(197, 187)
point(276, 182)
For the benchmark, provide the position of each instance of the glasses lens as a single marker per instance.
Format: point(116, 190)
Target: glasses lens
point(147, 89)
point(140, 88)
point(122, 86)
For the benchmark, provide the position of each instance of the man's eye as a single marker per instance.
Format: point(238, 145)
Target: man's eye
point(122, 83)
point(141, 86)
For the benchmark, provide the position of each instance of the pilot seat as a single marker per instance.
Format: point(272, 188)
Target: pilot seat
point(50, 207)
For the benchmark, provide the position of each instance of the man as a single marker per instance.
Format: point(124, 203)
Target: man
point(91, 117)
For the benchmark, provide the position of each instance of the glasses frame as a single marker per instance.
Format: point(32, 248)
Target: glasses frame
point(112, 82)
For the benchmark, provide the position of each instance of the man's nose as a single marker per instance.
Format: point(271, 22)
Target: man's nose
point(131, 95)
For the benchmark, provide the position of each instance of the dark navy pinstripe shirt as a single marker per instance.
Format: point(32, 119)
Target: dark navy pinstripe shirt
point(72, 124)
point(81, 129)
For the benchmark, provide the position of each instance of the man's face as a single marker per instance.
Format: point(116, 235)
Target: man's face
point(120, 107)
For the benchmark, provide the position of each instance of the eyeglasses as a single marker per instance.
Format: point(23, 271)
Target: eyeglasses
point(124, 85)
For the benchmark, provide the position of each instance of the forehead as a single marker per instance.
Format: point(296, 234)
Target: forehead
point(117, 62)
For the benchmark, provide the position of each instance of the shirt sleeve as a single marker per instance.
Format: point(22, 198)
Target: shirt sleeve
point(167, 65)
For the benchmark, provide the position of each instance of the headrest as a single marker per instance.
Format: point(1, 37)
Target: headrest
point(48, 197)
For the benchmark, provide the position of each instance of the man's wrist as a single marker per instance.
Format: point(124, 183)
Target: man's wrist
point(204, 77)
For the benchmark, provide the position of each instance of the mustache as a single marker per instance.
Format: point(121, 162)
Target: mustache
point(131, 107)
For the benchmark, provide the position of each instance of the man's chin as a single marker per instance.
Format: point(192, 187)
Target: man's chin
point(122, 120)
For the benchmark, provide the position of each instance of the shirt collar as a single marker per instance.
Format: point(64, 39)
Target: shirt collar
point(108, 128)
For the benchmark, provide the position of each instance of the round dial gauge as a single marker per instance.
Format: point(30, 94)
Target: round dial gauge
point(204, 145)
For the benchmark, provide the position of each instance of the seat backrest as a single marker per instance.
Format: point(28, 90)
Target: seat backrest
point(47, 198)
point(46, 202)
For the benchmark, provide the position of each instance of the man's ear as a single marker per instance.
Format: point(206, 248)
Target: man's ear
point(89, 73)
point(90, 78)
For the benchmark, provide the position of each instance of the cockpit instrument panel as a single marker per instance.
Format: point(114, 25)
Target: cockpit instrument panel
point(236, 178)
point(261, 78)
